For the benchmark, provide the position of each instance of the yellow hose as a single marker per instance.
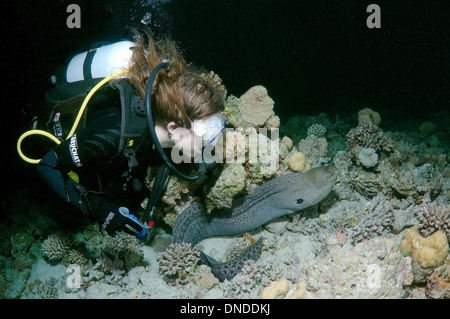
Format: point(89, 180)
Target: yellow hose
point(75, 124)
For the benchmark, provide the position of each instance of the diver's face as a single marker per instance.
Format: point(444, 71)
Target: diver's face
point(189, 143)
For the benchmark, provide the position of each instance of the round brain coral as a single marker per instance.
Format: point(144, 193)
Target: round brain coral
point(256, 106)
point(427, 252)
point(368, 157)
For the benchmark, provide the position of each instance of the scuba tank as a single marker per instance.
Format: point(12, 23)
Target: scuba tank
point(100, 62)
point(63, 107)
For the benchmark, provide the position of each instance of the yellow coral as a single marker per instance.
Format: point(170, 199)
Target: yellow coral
point(276, 289)
point(256, 106)
point(297, 162)
point(280, 290)
point(368, 115)
point(300, 292)
point(427, 252)
point(288, 142)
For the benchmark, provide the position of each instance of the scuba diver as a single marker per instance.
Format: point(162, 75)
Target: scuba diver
point(116, 137)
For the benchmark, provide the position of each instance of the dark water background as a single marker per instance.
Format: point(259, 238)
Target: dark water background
point(312, 56)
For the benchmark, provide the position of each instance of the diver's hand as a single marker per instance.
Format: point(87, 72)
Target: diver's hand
point(113, 218)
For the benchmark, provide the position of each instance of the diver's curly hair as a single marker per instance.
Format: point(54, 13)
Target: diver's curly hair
point(178, 94)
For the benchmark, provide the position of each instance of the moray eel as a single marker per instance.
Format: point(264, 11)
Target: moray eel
point(278, 197)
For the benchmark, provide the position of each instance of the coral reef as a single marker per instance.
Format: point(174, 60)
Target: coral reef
point(364, 183)
point(433, 217)
point(252, 276)
point(317, 130)
point(280, 290)
point(382, 233)
point(126, 247)
point(368, 135)
point(75, 257)
point(438, 283)
point(427, 252)
point(427, 129)
point(315, 149)
point(273, 122)
point(418, 182)
point(231, 182)
point(55, 247)
point(368, 115)
point(368, 157)
point(232, 113)
point(256, 106)
point(91, 245)
point(371, 269)
point(205, 278)
point(179, 262)
point(376, 221)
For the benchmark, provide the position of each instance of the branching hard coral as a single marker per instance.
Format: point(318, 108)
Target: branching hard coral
point(126, 247)
point(179, 262)
point(75, 257)
point(376, 221)
point(48, 289)
point(123, 243)
point(433, 217)
point(317, 129)
point(256, 106)
point(367, 134)
point(55, 247)
point(253, 275)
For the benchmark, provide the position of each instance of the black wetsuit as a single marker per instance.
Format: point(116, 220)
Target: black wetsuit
point(93, 154)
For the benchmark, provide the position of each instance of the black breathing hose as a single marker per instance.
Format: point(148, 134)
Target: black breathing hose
point(151, 127)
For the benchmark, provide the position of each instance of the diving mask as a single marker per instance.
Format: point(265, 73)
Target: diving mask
point(209, 129)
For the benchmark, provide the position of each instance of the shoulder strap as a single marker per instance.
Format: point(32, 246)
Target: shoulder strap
point(133, 121)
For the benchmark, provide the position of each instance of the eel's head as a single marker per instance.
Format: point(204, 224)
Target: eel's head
point(324, 176)
point(319, 183)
